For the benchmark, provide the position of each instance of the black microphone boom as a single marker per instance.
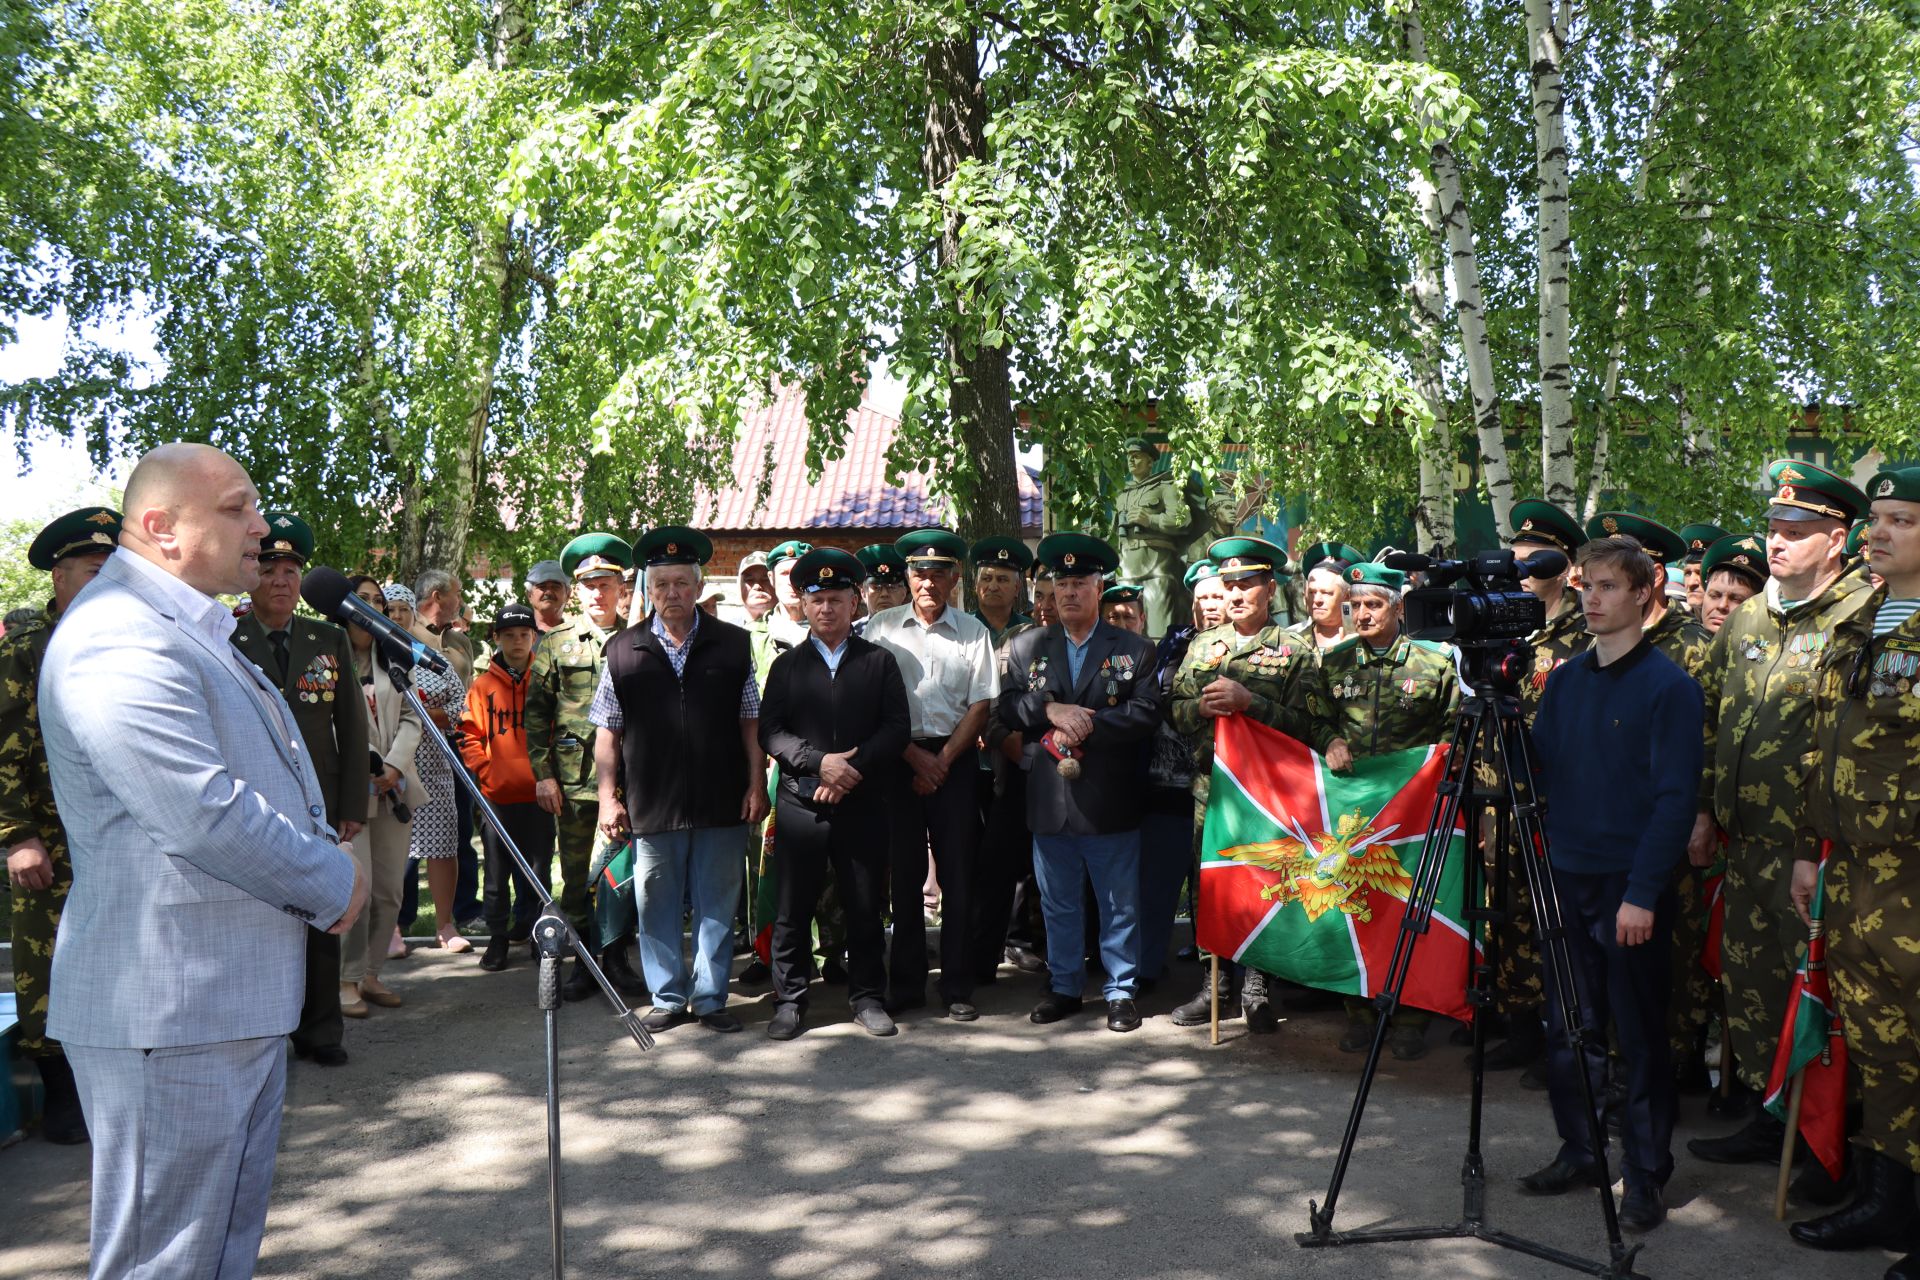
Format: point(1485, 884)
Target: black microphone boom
point(329, 594)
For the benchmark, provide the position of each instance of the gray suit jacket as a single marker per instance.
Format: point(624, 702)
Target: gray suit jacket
point(200, 846)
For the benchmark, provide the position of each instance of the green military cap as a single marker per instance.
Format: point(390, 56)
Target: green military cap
point(673, 544)
point(288, 538)
point(1857, 538)
point(1140, 444)
point(1902, 484)
point(935, 548)
point(1121, 593)
point(1071, 555)
point(827, 568)
point(1662, 543)
point(1806, 492)
point(1001, 552)
point(883, 563)
point(1240, 556)
point(1369, 574)
point(791, 549)
point(1198, 571)
point(1742, 553)
point(1537, 521)
point(76, 533)
point(592, 554)
point(1698, 538)
point(1319, 551)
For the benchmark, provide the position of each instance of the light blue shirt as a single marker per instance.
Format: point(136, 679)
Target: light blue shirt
point(1077, 654)
point(830, 656)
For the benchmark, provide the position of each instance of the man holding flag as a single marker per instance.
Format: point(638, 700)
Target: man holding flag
point(1859, 797)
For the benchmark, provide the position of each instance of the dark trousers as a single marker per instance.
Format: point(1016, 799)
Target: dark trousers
point(466, 884)
point(1166, 855)
point(321, 1023)
point(1006, 902)
point(854, 844)
point(948, 821)
point(510, 896)
point(1628, 987)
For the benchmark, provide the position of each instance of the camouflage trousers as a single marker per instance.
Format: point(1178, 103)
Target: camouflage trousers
point(35, 921)
point(1692, 1001)
point(1759, 947)
point(582, 852)
point(1873, 923)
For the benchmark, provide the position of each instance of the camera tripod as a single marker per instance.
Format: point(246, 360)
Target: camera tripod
point(1490, 715)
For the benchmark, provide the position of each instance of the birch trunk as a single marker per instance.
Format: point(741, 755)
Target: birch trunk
point(1426, 295)
point(1469, 305)
point(1546, 45)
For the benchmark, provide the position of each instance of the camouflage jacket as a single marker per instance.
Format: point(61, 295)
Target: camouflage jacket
point(1758, 682)
point(1289, 692)
point(560, 688)
point(1565, 636)
point(1682, 638)
point(1405, 697)
point(1860, 787)
point(26, 789)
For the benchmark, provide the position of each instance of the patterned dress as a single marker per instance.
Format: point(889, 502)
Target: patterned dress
point(435, 832)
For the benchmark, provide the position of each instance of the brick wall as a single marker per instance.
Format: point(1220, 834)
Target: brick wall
point(730, 547)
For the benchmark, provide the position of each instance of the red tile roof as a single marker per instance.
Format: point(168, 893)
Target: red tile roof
point(852, 492)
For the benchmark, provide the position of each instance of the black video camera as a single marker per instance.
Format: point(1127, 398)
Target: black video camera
point(1479, 600)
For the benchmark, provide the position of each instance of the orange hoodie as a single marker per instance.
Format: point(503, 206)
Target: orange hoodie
point(493, 736)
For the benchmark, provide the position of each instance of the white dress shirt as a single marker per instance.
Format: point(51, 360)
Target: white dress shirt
point(948, 665)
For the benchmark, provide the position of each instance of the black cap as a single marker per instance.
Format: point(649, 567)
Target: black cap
point(514, 615)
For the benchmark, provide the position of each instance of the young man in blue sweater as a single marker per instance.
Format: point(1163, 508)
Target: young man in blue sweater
point(1618, 742)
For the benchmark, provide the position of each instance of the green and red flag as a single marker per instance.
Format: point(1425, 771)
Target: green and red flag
point(1305, 873)
point(1813, 1041)
point(613, 901)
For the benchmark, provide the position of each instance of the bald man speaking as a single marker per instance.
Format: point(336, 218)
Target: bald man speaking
point(201, 853)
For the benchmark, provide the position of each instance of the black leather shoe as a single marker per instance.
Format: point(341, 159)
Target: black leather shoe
point(1198, 1012)
point(495, 957)
point(1054, 1007)
point(1815, 1186)
point(787, 1021)
point(666, 1019)
point(962, 1011)
point(62, 1121)
point(1256, 1005)
point(322, 1055)
point(1122, 1016)
point(720, 1020)
point(579, 984)
point(1642, 1208)
point(875, 1021)
point(620, 973)
point(1024, 960)
point(1881, 1217)
point(1757, 1143)
point(1907, 1268)
point(755, 973)
point(521, 931)
point(1515, 1052)
point(1559, 1178)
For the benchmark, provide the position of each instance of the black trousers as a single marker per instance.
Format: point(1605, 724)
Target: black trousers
point(322, 1026)
point(1006, 905)
point(854, 844)
point(948, 821)
point(509, 897)
point(1629, 987)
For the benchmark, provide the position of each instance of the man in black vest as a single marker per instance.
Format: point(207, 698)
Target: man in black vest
point(1083, 696)
point(678, 712)
point(835, 718)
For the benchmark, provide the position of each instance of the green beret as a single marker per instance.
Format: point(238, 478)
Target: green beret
point(1198, 571)
point(939, 548)
point(288, 538)
point(1857, 538)
point(1240, 557)
point(1319, 551)
point(1001, 552)
point(1140, 444)
point(827, 569)
point(1806, 492)
point(1369, 574)
point(1902, 484)
point(1121, 593)
point(791, 549)
point(1662, 543)
point(673, 544)
point(883, 563)
point(76, 533)
point(1071, 555)
point(1699, 537)
point(1537, 521)
point(1742, 553)
point(592, 554)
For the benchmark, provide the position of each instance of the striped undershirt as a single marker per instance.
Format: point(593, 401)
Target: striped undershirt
point(1892, 613)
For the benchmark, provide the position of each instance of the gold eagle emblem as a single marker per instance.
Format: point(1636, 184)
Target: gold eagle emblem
point(1335, 870)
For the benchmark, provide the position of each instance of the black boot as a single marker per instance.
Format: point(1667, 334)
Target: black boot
point(1907, 1268)
point(61, 1120)
point(1880, 1218)
point(620, 972)
point(1256, 1004)
point(579, 984)
point(1815, 1186)
point(1757, 1143)
point(1526, 1043)
point(1198, 1012)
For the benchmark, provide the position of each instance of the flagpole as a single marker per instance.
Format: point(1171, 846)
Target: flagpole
point(1215, 987)
point(1786, 1145)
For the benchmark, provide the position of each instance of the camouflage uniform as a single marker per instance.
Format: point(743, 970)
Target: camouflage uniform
point(26, 811)
point(1150, 519)
point(1758, 684)
point(1859, 791)
point(1288, 688)
point(560, 687)
point(1382, 702)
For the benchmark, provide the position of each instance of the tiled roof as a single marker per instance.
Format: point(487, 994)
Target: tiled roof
point(852, 492)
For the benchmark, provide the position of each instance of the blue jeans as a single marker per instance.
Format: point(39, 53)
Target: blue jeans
point(1062, 864)
point(668, 867)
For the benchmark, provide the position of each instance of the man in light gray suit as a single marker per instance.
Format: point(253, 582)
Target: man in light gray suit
point(201, 853)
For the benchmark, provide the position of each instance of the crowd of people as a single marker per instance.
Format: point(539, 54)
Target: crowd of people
point(803, 784)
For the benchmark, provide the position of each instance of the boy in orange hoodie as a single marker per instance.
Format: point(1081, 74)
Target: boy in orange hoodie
point(493, 744)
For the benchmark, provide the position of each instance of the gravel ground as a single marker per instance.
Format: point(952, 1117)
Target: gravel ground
point(995, 1149)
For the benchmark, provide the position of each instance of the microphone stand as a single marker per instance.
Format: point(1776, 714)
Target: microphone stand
point(552, 936)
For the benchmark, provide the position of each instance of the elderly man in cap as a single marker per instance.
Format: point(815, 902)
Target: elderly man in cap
point(1000, 567)
point(678, 711)
point(1085, 699)
point(311, 663)
point(886, 584)
point(946, 659)
point(834, 716)
point(71, 549)
point(1326, 565)
point(1120, 606)
point(547, 594)
point(1150, 523)
point(560, 742)
point(1759, 684)
point(788, 622)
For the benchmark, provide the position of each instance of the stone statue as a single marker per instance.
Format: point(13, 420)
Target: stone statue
point(1151, 526)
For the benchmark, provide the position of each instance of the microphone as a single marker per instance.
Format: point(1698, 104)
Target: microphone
point(329, 594)
point(1542, 564)
point(1407, 561)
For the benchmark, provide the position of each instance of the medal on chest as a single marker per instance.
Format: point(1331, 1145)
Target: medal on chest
point(318, 682)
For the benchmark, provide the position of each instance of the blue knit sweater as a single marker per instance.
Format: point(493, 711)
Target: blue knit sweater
point(1620, 751)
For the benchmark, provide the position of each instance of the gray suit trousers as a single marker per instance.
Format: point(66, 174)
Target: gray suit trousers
point(183, 1153)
